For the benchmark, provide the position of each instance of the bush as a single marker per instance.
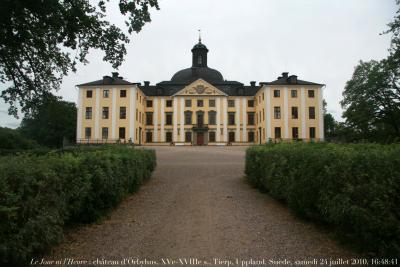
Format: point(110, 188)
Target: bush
point(41, 194)
point(353, 188)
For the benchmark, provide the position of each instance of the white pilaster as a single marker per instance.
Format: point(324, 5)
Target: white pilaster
point(132, 110)
point(225, 118)
point(218, 121)
point(155, 119)
point(244, 119)
point(268, 116)
point(114, 113)
point(175, 134)
point(321, 113)
point(96, 113)
point(237, 119)
point(182, 119)
point(162, 131)
point(303, 112)
point(79, 114)
point(285, 113)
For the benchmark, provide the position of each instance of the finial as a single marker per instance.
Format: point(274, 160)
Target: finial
point(199, 36)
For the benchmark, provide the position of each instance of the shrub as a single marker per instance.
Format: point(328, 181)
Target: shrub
point(41, 194)
point(353, 188)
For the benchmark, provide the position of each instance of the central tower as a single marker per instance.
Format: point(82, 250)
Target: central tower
point(199, 52)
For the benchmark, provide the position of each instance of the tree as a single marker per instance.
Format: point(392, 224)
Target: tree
point(42, 40)
point(330, 124)
point(51, 122)
point(12, 139)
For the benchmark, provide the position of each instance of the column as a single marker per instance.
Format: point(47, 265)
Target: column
point(162, 131)
point(218, 114)
point(303, 112)
point(132, 110)
point(225, 118)
point(182, 100)
point(268, 116)
point(175, 134)
point(321, 113)
point(79, 114)
point(285, 113)
point(244, 119)
point(114, 113)
point(155, 119)
point(237, 119)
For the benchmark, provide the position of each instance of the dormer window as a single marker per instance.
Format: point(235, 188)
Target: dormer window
point(199, 60)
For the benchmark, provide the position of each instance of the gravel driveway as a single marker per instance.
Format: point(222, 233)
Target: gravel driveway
point(198, 207)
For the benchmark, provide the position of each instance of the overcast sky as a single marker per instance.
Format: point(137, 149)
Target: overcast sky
point(317, 40)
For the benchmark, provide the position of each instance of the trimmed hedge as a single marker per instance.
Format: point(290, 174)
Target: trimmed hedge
point(354, 189)
point(40, 195)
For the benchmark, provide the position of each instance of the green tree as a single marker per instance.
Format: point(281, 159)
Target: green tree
point(41, 41)
point(12, 139)
point(51, 122)
point(330, 124)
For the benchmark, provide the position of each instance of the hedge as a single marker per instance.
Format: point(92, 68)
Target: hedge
point(353, 188)
point(42, 194)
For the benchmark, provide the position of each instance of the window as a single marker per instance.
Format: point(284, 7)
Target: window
point(311, 93)
point(88, 132)
point(199, 60)
point(168, 118)
point(250, 118)
point(88, 114)
point(211, 137)
point(188, 103)
point(149, 137)
point(169, 103)
point(211, 103)
point(295, 132)
point(250, 103)
point(295, 113)
point(121, 133)
point(250, 136)
point(311, 113)
point(89, 94)
point(122, 93)
point(263, 114)
point(136, 114)
point(231, 103)
point(277, 112)
point(200, 103)
point(312, 132)
point(122, 112)
point(231, 136)
point(277, 93)
point(149, 103)
point(149, 118)
point(106, 93)
point(231, 118)
point(188, 136)
point(277, 132)
point(104, 113)
point(263, 96)
point(293, 93)
point(212, 118)
point(104, 133)
point(168, 137)
point(188, 117)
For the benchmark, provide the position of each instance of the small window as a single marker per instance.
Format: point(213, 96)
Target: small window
point(168, 137)
point(311, 113)
point(295, 113)
point(149, 137)
point(231, 137)
point(312, 132)
point(168, 118)
point(250, 118)
point(149, 103)
point(200, 103)
point(263, 96)
point(188, 136)
point(88, 132)
point(211, 137)
point(122, 93)
point(295, 132)
point(277, 113)
point(89, 94)
point(199, 60)
point(277, 132)
point(211, 103)
point(293, 93)
point(212, 118)
point(188, 117)
point(149, 118)
point(311, 93)
point(106, 93)
point(88, 113)
point(169, 103)
point(250, 136)
point(105, 113)
point(122, 112)
point(188, 103)
point(250, 103)
point(121, 133)
point(231, 118)
point(104, 132)
point(231, 103)
point(277, 93)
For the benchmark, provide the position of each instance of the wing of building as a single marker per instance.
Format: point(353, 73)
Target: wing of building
point(199, 107)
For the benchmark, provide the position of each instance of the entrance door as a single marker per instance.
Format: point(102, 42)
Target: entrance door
point(200, 139)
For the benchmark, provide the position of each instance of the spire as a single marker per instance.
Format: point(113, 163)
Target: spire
point(199, 36)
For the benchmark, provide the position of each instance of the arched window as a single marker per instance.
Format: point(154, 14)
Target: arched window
point(199, 60)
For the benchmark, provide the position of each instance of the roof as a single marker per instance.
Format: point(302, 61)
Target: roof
point(108, 80)
point(285, 79)
point(189, 75)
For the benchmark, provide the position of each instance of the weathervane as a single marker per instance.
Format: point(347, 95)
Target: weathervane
point(199, 36)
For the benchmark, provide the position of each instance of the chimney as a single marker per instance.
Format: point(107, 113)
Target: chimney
point(146, 83)
point(293, 79)
point(107, 79)
point(115, 75)
point(253, 83)
point(120, 77)
point(285, 75)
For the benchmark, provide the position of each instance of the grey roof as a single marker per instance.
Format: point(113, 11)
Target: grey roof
point(108, 80)
point(285, 79)
point(191, 74)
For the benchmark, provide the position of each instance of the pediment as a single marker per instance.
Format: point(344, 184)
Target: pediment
point(200, 88)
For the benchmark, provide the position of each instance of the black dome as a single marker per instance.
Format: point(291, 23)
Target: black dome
point(199, 45)
point(191, 74)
